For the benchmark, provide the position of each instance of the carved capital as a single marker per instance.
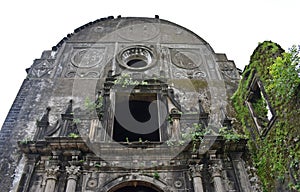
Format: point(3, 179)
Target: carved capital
point(73, 171)
point(52, 172)
point(196, 170)
point(216, 169)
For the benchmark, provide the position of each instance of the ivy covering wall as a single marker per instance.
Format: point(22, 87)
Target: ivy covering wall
point(275, 154)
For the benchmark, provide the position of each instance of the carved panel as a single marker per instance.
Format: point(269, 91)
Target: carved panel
point(42, 68)
point(85, 62)
point(87, 57)
point(186, 58)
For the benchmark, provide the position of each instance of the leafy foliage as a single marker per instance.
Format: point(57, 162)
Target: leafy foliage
point(73, 135)
point(285, 74)
point(276, 156)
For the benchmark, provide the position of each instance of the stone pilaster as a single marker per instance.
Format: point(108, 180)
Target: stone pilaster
point(241, 173)
point(73, 172)
point(51, 178)
point(196, 171)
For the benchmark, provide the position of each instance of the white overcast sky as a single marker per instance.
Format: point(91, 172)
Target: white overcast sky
point(233, 27)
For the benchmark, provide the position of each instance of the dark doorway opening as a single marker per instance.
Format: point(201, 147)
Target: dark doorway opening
point(136, 189)
point(139, 106)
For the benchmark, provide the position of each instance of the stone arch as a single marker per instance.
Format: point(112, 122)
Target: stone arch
point(135, 181)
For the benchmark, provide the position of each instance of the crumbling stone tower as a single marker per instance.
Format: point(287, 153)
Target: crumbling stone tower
point(125, 104)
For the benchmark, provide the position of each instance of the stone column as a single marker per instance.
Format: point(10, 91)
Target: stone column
point(216, 171)
point(197, 177)
point(51, 178)
point(73, 172)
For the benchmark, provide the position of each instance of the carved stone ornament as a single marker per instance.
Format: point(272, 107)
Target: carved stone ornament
point(41, 68)
point(185, 59)
point(88, 57)
point(92, 183)
point(229, 71)
point(216, 170)
point(52, 171)
point(196, 170)
point(73, 170)
point(178, 184)
point(189, 74)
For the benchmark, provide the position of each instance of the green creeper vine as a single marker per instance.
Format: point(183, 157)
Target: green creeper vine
point(275, 155)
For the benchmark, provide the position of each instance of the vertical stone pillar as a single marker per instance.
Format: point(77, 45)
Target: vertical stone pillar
point(216, 171)
point(51, 178)
point(197, 177)
point(73, 172)
point(240, 172)
point(175, 115)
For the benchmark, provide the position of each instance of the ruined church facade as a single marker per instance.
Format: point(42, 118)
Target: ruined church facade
point(126, 104)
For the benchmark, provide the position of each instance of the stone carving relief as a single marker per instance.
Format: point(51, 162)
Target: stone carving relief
point(42, 68)
point(87, 57)
point(195, 74)
point(81, 74)
point(185, 58)
point(52, 171)
point(196, 170)
point(85, 62)
point(73, 170)
point(229, 71)
point(216, 169)
point(92, 181)
point(178, 184)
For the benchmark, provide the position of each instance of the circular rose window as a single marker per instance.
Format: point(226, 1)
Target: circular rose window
point(136, 57)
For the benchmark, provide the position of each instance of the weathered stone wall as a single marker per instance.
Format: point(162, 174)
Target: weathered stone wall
point(193, 80)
